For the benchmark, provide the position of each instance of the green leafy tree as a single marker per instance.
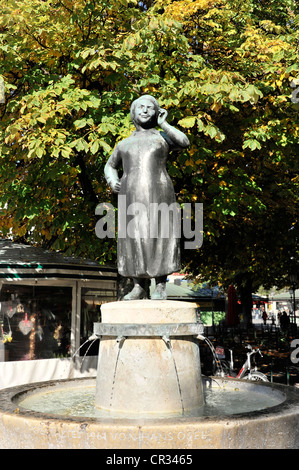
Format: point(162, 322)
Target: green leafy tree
point(65, 103)
point(245, 130)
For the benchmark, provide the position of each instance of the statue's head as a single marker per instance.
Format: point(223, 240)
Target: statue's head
point(144, 111)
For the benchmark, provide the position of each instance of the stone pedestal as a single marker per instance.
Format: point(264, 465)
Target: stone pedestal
point(149, 362)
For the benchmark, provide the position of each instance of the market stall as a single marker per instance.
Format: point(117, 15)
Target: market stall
point(48, 304)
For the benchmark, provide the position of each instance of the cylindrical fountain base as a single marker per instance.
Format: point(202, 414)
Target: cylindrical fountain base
point(151, 373)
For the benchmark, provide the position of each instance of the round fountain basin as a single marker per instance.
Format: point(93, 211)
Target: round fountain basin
point(78, 400)
point(237, 415)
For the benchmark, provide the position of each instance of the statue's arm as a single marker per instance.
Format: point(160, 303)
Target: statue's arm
point(177, 138)
point(110, 171)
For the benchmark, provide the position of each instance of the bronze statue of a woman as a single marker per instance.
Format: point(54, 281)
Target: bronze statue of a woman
point(145, 183)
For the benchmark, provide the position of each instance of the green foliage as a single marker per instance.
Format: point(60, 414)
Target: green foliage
point(223, 69)
point(209, 317)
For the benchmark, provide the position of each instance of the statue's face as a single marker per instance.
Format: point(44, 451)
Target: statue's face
point(145, 113)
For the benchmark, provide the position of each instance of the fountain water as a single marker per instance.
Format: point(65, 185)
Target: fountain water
point(149, 393)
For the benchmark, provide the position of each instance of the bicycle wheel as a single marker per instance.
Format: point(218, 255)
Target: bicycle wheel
point(256, 377)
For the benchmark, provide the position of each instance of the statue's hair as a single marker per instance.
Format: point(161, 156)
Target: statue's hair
point(134, 103)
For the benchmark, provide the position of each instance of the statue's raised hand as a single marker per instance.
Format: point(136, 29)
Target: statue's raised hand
point(162, 115)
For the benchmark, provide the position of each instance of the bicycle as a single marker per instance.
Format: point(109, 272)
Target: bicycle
point(225, 368)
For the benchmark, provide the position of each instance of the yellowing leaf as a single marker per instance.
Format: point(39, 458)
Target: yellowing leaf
point(187, 122)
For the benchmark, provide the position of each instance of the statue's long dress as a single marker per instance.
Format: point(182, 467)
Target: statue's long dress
point(148, 246)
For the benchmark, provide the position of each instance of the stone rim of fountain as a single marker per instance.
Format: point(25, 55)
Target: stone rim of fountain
point(149, 329)
point(271, 428)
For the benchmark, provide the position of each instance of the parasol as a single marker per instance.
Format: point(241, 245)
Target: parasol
point(232, 318)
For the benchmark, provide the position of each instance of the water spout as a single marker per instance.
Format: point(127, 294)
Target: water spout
point(91, 339)
point(120, 340)
point(86, 352)
point(167, 341)
point(217, 362)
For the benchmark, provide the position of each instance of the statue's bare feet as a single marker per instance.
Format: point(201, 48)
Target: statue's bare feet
point(137, 293)
point(160, 292)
